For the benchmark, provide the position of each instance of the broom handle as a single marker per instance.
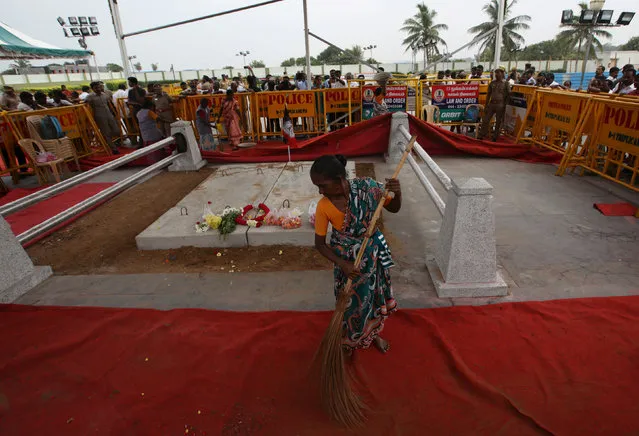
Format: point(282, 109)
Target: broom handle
point(378, 212)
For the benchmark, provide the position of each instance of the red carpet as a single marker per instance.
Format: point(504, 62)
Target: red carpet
point(440, 141)
point(371, 137)
point(565, 367)
point(24, 219)
point(616, 209)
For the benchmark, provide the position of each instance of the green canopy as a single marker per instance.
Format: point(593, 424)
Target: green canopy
point(16, 45)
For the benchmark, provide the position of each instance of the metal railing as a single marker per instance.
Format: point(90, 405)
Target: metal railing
point(440, 175)
point(95, 199)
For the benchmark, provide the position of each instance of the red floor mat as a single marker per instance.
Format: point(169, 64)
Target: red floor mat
point(24, 219)
point(565, 367)
point(616, 209)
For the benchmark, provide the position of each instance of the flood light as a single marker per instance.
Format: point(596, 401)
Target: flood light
point(625, 18)
point(566, 17)
point(605, 16)
point(587, 16)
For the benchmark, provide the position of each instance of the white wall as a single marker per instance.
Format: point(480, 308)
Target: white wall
point(189, 75)
point(621, 57)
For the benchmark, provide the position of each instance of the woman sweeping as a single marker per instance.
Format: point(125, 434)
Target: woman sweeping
point(349, 206)
point(231, 113)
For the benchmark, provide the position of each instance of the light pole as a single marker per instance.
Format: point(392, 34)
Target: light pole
point(244, 54)
point(81, 27)
point(592, 18)
point(370, 47)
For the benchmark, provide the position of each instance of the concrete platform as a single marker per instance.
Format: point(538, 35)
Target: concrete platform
point(233, 185)
point(238, 185)
point(294, 184)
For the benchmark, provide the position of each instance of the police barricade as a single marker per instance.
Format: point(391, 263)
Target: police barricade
point(610, 146)
point(445, 102)
point(76, 121)
point(556, 116)
point(516, 120)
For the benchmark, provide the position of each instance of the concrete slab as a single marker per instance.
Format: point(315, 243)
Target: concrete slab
point(294, 184)
point(235, 185)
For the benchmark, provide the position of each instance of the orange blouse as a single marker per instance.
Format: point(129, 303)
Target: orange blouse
point(327, 212)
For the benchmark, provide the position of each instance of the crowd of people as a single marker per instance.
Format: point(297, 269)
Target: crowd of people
point(150, 110)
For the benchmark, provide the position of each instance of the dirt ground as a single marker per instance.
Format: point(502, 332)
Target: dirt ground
point(103, 241)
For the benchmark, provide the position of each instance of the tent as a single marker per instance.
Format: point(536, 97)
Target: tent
point(16, 45)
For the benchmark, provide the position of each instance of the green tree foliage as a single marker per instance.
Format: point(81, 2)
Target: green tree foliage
point(632, 44)
point(114, 68)
point(511, 39)
point(137, 66)
point(423, 33)
point(258, 64)
point(154, 67)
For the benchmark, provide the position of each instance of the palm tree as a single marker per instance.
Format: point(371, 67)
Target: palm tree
point(21, 66)
point(578, 36)
point(511, 39)
point(423, 34)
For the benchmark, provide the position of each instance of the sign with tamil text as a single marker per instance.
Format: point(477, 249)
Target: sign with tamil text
point(396, 96)
point(453, 99)
point(620, 128)
point(560, 111)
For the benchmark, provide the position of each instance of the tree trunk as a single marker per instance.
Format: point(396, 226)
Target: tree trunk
point(578, 52)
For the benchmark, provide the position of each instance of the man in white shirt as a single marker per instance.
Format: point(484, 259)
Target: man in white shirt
point(550, 80)
point(26, 102)
point(85, 93)
point(119, 94)
point(627, 83)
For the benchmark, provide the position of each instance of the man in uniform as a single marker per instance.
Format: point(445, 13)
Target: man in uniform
point(101, 104)
point(496, 101)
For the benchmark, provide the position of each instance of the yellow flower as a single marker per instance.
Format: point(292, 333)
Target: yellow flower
point(213, 221)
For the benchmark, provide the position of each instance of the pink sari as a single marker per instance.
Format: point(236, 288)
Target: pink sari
point(232, 122)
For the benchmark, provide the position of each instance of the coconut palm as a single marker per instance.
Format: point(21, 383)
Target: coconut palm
point(423, 34)
point(511, 39)
point(21, 66)
point(578, 36)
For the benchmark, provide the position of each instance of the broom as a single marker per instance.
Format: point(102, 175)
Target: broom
point(337, 395)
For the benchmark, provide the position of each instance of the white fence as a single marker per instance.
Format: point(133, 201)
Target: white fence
point(179, 76)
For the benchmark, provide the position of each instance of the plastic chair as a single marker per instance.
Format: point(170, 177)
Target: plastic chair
point(432, 113)
point(32, 148)
point(477, 124)
point(63, 147)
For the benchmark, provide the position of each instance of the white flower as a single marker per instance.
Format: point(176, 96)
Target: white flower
point(251, 223)
point(228, 210)
point(295, 213)
point(201, 228)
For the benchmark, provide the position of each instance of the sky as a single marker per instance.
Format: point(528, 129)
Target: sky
point(274, 32)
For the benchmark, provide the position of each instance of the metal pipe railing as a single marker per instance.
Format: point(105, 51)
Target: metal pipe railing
point(28, 200)
point(442, 177)
point(430, 189)
point(91, 201)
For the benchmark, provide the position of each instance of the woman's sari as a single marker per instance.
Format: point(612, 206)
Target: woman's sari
point(372, 300)
point(230, 110)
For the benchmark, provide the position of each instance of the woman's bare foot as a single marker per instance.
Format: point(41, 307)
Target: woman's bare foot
point(382, 344)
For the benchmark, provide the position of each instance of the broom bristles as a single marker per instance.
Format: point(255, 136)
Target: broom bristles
point(338, 397)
